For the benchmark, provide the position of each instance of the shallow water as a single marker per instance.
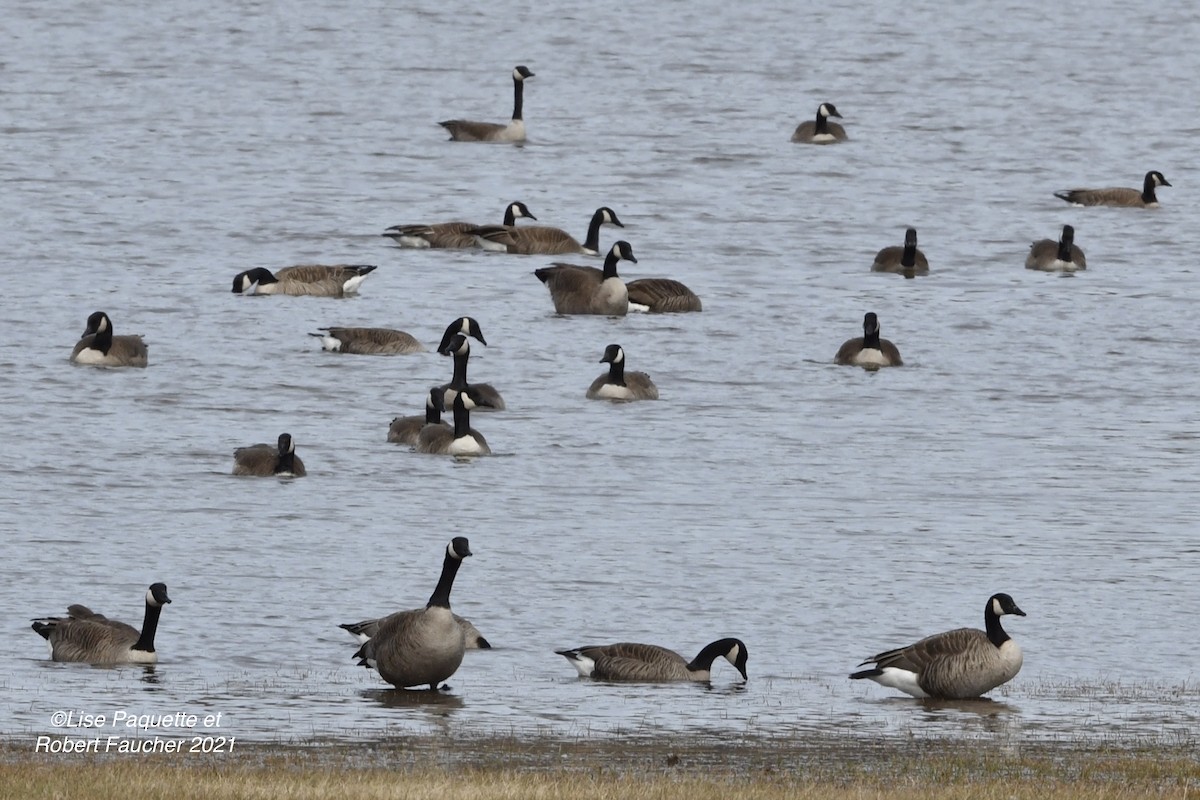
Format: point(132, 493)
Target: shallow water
point(1040, 439)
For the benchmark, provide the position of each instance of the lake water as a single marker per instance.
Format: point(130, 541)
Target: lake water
point(1041, 439)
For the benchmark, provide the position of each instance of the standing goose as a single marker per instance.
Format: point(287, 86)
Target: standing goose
point(463, 440)
point(543, 239)
point(906, 260)
point(311, 279)
point(405, 430)
point(955, 665)
point(98, 347)
point(425, 645)
point(450, 235)
point(467, 326)
point(617, 384)
point(821, 130)
point(263, 460)
point(92, 638)
point(869, 350)
point(1051, 256)
point(462, 130)
point(483, 395)
point(369, 341)
point(1118, 196)
point(661, 296)
point(362, 631)
point(587, 290)
point(628, 661)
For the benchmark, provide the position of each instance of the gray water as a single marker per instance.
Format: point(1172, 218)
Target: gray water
point(1040, 440)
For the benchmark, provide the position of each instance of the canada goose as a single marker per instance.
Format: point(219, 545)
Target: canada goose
point(462, 440)
point(92, 638)
point(661, 296)
point(954, 665)
point(450, 235)
point(425, 645)
point(1118, 196)
point(869, 350)
point(362, 631)
point(587, 290)
point(404, 430)
point(906, 260)
point(617, 384)
point(369, 341)
point(462, 130)
point(1050, 256)
point(821, 130)
point(98, 347)
point(263, 460)
point(628, 661)
point(310, 279)
point(467, 326)
point(483, 395)
point(543, 239)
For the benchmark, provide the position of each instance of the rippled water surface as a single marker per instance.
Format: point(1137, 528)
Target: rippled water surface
point(1041, 439)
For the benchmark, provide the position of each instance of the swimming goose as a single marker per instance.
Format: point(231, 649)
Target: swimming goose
point(587, 290)
point(451, 235)
point(310, 279)
point(954, 665)
point(467, 326)
point(483, 395)
point(362, 631)
point(98, 347)
point(1051, 256)
point(906, 260)
point(404, 430)
point(821, 130)
point(869, 350)
point(263, 460)
point(462, 440)
point(425, 645)
point(92, 638)
point(617, 384)
point(661, 296)
point(1118, 196)
point(462, 130)
point(543, 239)
point(628, 661)
point(369, 341)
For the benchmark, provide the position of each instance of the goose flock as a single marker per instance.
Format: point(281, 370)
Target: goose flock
point(423, 647)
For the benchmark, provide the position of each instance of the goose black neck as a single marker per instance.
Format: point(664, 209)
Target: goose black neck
point(102, 340)
point(459, 380)
point(287, 462)
point(462, 421)
point(593, 235)
point(705, 658)
point(510, 218)
point(995, 631)
point(610, 265)
point(432, 415)
point(1064, 248)
point(822, 123)
point(149, 626)
point(441, 593)
point(1148, 195)
point(616, 372)
point(518, 97)
point(871, 340)
point(909, 257)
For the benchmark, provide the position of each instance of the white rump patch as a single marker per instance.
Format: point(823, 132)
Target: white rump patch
point(582, 664)
point(638, 307)
point(902, 679)
point(490, 246)
point(331, 343)
point(413, 241)
point(351, 285)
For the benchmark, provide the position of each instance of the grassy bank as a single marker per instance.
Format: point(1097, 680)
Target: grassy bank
point(698, 770)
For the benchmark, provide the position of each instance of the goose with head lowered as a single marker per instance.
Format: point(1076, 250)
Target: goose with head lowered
point(544, 239)
point(821, 130)
point(316, 280)
point(661, 296)
point(405, 430)
point(1119, 195)
point(617, 384)
point(869, 350)
point(483, 395)
point(906, 260)
point(955, 665)
point(424, 646)
point(587, 290)
point(1064, 255)
point(650, 663)
point(91, 638)
point(98, 347)
point(369, 341)
point(462, 130)
point(263, 460)
point(461, 440)
point(451, 235)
